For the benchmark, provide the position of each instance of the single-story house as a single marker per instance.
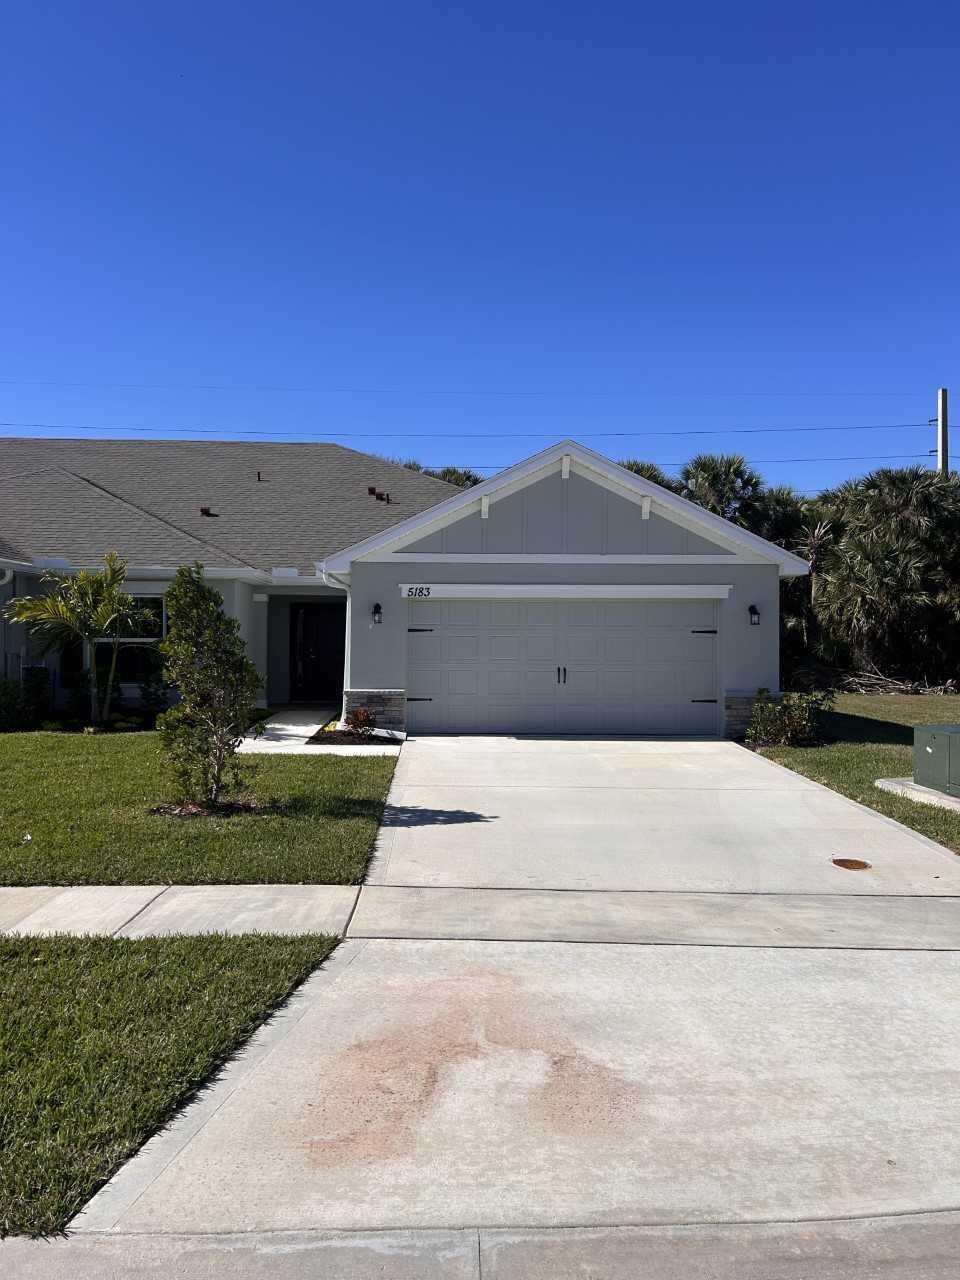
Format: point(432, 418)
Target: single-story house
point(564, 594)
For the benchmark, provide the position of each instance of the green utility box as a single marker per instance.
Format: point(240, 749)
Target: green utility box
point(936, 757)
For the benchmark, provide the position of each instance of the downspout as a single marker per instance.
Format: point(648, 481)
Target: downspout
point(6, 577)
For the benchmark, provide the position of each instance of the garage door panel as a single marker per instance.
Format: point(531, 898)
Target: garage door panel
point(582, 680)
point(587, 643)
point(463, 613)
point(620, 646)
point(507, 613)
point(506, 646)
point(542, 646)
point(426, 680)
point(632, 667)
point(505, 680)
point(582, 615)
point(462, 647)
point(463, 680)
point(425, 647)
point(541, 681)
point(541, 614)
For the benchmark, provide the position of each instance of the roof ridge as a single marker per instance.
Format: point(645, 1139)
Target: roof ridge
point(118, 497)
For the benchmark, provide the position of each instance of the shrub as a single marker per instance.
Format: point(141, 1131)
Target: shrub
point(154, 693)
point(35, 694)
point(361, 720)
point(205, 658)
point(78, 697)
point(793, 720)
point(11, 706)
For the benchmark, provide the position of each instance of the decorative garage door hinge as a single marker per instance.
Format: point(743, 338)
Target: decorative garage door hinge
point(419, 628)
point(703, 699)
point(419, 699)
point(695, 632)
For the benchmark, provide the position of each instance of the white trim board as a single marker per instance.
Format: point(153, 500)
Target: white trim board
point(518, 557)
point(415, 591)
point(596, 468)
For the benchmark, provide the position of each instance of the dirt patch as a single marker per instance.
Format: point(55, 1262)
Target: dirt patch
point(378, 1092)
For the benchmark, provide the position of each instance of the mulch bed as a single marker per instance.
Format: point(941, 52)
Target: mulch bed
point(347, 738)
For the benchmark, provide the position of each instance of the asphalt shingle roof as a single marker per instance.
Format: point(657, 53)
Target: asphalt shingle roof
point(143, 498)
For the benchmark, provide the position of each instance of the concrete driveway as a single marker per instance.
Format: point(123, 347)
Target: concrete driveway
point(594, 995)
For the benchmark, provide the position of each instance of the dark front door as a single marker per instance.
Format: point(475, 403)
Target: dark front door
point(317, 636)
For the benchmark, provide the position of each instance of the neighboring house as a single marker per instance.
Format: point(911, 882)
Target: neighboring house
point(563, 595)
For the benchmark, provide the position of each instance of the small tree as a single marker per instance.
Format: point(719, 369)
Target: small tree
point(205, 658)
point(90, 607)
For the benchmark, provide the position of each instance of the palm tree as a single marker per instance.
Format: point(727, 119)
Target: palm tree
point(777, 515)
point(85, 606)
point(724, 484)
point(650, 471)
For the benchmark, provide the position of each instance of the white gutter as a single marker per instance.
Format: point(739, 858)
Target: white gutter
point(332, 580)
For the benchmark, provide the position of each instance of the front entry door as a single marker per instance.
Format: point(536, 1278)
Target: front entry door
point(317, 638)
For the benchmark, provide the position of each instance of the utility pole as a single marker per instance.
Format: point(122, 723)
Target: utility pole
point(943, 448)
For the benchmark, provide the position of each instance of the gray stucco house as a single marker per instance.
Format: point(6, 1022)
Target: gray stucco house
point(564, 594)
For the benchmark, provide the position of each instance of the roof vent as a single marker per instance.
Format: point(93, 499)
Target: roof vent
point(210, 513)
point(372, 490)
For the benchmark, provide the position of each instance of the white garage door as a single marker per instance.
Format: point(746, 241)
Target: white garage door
point(544, 666)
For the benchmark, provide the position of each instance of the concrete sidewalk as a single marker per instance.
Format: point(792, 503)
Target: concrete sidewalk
point(141, 911)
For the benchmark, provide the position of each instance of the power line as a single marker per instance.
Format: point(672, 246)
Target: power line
point(469, 435)
point(750, 462)
point(436, 391)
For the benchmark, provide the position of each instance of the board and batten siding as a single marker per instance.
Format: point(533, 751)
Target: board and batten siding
point(573, 517)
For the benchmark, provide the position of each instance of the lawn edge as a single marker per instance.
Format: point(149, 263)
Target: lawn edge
point(142, 1167)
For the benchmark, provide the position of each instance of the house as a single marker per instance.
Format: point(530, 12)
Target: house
point(564, 594)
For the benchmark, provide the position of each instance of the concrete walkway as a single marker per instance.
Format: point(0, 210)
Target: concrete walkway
point(289, 731)
point(141, 911)
point(604, 1008)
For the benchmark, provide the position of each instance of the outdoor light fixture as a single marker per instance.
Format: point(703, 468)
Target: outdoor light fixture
point(754, 613)
point(377, 613)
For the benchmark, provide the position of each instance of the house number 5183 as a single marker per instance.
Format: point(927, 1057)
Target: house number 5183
point(418, 591)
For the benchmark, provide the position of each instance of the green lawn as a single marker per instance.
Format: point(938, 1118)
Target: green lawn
point(102, 1039)
point(85, 803)
point(871, 737)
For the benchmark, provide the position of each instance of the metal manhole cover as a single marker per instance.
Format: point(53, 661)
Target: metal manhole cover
point(852, 864)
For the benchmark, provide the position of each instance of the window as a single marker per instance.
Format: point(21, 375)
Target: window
point(138, 657)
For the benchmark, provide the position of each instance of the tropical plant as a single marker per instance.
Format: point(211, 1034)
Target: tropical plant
point(206, 660)
point(651, 471)
point(889, 602)
point(88, 606)
point(462, 477)
point(724, 484)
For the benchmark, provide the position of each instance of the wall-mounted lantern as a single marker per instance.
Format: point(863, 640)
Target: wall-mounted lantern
point(754, 613)
point(377, 613)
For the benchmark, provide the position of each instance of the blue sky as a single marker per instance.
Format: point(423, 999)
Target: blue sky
point(429, 229)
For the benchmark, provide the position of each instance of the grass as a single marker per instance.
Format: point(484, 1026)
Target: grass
point(871, 737)
point(102, 1039)
point(85, 803)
